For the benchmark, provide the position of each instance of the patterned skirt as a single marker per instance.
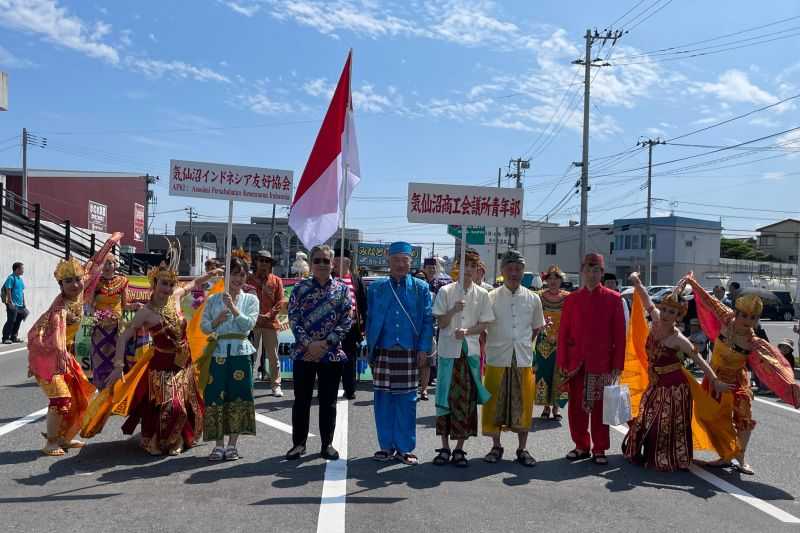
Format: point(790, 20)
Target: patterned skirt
point(462, 398)
point(104, 347)
point(547, 383)
point(661, 436)
point(229, 398)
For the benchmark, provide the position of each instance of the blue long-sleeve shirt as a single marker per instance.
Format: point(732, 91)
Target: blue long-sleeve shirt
point(320, 312)
point(388, 325)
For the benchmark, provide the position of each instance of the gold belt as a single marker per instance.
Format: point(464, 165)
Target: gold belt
point(660, 370)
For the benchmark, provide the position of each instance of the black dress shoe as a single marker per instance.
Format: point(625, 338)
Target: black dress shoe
point(330, 453)
point(350, 396)
point(295, 453)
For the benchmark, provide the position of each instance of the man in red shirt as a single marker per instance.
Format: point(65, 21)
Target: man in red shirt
point(269, 289)
point(591, 355)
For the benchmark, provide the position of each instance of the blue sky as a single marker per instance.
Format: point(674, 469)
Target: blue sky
point(446, 91)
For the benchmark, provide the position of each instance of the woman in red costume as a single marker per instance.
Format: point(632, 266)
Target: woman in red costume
point(661, 435)
point(166, 400)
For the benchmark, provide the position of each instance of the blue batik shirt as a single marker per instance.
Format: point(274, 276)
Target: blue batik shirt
point(320, 312)
point(397, 330)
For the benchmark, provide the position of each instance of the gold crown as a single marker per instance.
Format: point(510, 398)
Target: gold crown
point(750, 304)
point(69, 268)
point(241, 254)
point(674, 301)
point(162, 271)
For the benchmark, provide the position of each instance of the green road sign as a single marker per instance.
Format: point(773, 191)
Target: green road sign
point(475, 234)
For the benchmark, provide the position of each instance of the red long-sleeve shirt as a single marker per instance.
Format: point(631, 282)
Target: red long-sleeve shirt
point(592, 332)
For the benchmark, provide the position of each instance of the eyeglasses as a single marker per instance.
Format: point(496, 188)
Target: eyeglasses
point(321, 261)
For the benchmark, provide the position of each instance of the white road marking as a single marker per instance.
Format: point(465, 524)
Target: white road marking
point(277, 424)
point(334, 489)
point(733, 490)
point(779, 406)
point(13, 351)
point(744, 496)
point(18, 423)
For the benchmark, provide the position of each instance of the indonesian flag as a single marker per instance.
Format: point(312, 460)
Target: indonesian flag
point(321, 197)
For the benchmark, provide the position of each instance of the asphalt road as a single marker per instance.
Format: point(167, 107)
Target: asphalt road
point(112, 486)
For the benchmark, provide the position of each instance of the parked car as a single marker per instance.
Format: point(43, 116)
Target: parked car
point(781, 308)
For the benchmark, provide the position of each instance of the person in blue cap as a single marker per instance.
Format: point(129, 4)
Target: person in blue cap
point(399, 338)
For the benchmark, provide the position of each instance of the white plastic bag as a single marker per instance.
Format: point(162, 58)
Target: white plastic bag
point(616, 405)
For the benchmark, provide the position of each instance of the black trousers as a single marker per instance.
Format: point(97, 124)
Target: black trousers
point(305, 374)
point(350, 345)
point(13, 320)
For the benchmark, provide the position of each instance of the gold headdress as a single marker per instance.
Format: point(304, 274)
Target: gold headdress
point(750, 304)
point(553, 269)
point(675, 301)
point(69, 268)
point(241, 254)
point(167, 270)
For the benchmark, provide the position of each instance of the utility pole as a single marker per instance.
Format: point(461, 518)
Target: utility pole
point(649, 143)
point(24, 165)
point(150, 201)
point(272, 233)
point(521, 164)
point(588, 63)
point(192, 215)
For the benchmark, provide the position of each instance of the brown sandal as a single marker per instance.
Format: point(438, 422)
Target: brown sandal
point(494, 455)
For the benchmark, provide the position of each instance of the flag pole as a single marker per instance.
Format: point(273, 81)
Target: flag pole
point(229, 246)
point(345, 153)
point(461, 267)
point(344, 211)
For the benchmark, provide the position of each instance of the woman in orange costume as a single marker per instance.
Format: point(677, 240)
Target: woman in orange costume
point(167, 400)
point(735, 348)
point(661, 435)
point(51, 352)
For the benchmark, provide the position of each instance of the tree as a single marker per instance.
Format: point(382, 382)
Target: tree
point(742, 249)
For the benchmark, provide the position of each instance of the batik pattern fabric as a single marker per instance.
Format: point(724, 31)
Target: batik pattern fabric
point(228, 397)
point(108, 308)
point(395, 371)
point(510, 407)
point(458, 394)
point(167, 401)
point(320, 312)
point(548, 386)
point(660, 437)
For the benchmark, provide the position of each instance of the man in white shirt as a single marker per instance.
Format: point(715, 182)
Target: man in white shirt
point(463, 314)
point(509, 360)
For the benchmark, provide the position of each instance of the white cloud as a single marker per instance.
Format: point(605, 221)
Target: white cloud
point(158, 143)
point(365, 98)
point(9, 60)
point(362, 17)
point(248, 9)
point(125, 37)
point(774, 176)
point(319, 87)
point(152, 37)
point(155, 68)
point(765, 122)
point(791, 140)
point(735, 86)
point(261, 103)
point(54, 23)
point(509, 125)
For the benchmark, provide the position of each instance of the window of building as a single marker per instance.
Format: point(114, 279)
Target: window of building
point(550, 248)
point(653, 240)
point(689, 244)
point(635, 242)
point(627, 242)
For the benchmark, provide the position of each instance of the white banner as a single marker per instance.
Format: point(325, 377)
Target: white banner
point(230, 182)
point(435, 203)
point(98, 216)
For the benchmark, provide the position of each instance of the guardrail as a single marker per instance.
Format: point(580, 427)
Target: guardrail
point(35, 226)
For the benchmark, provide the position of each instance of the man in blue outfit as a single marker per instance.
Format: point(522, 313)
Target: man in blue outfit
point(14, 299)
point(399, 335)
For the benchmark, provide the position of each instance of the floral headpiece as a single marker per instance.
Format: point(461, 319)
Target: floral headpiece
point(241, 254)
point(167, 270)
point(674, 301)
point(553, 269)
point(69, 268)
point(750, 304)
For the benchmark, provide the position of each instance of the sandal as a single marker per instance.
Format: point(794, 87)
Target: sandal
point(217, 454)
point(54, 452)
point(577, 455)
point(383, 456)
point(423, 396)
point(525, 459)
point(460, 458)
point(545, 414)
point(744, 469)
point(494, 455)
point(600, 459)
point(408, 459)
point(231, 454)
point(557, 417)
point(443, 457)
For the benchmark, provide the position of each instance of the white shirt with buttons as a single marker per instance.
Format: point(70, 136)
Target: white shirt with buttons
point(477, 308)
point(517, 315)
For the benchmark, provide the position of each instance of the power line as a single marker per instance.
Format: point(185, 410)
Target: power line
point(649, 16)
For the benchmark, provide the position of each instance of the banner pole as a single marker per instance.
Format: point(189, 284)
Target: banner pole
point(229, 245)
point(344, 211)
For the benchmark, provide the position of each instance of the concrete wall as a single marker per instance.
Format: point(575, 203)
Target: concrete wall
point(40, 285)
point(781, 240)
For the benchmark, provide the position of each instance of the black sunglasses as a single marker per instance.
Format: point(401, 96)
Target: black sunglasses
point(321, 260)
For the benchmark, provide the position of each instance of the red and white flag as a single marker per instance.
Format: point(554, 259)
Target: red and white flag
point(320, 198)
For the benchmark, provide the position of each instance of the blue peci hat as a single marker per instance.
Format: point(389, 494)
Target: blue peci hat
point(399, 247)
